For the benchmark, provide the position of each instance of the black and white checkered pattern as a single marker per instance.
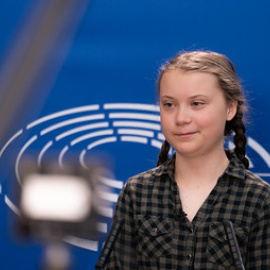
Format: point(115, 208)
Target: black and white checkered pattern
point(157, 235)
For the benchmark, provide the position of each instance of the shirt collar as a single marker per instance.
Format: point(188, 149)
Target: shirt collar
point(234, 169)
point(167, 168)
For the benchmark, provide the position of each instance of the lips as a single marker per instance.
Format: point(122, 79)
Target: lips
point(185, 134)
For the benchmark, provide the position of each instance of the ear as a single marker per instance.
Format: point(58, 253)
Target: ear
point(231, 110)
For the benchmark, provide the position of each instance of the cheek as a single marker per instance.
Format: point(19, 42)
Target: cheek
point(218, 113)
point(213, 120)
point(216, 122)
point(163, 118)
point(166, 124)
point(166, 118)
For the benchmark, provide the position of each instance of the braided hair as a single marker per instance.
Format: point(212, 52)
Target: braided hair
point(220, 66)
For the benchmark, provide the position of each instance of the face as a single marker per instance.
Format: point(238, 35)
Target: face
point(193, 112)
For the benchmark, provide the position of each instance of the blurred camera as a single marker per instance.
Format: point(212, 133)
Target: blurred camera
point(56, 202)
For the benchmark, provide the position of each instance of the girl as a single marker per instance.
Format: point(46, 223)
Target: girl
point(173, 215)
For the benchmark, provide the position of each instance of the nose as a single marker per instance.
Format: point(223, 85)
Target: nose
point(183, 116)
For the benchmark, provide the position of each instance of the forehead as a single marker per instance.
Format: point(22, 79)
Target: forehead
point(182, 81)
point(181, 75)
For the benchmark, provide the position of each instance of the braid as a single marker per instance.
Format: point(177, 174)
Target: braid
point(163, 154)
point(240, 138)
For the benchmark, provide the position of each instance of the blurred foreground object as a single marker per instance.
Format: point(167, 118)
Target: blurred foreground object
point(56, 202)
point(56, 198)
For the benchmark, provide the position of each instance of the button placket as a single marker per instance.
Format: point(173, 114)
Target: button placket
point(190, 243)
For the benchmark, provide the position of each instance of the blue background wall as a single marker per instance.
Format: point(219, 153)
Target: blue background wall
point(113, 58)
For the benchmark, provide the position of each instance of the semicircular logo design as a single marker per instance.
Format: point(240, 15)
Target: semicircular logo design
point(84, 129)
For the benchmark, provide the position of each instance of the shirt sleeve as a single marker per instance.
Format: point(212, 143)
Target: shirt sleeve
point(259, 240)
point(123, 253)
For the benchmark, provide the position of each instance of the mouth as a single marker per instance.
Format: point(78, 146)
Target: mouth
point(186, 134)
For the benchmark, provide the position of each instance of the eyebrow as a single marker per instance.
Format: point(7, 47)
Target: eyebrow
point(199, 96)
point(191, 97)
point(167, 97)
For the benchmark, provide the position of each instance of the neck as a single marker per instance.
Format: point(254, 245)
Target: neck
point(202, 169)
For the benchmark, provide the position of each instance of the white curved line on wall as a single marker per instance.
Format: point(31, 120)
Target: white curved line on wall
point(139, 132)
point(260, 150)
point(105, 211)
point(91, 135)
point(12, 206)
point(72, 121)
point(28, 143)
point(112, 183)
point(131, 106)
point(102, 141)
point(263, 174)
point(156, 143)
point(61, 156)
point(135, 139)
point(43, 150)
point(63, 113)
point(136, 124)
point(102, 227)
point(86, 244)
point(10, 141)
point(82, 128)
point(161, 137)
point(82, 155)
point(108, 196)
point(142, 116)
point(230, 145)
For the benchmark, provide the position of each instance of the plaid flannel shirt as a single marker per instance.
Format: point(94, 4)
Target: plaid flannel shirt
point(157, 235)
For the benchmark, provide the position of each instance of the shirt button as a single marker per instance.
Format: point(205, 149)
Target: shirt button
point(189, 256)
point(154, 230)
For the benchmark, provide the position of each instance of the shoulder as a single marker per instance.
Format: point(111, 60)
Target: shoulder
point(249, 183)
point(158, 176)
point(258, 194)
point(256, 186)
point(255, 181)
point(148, 177)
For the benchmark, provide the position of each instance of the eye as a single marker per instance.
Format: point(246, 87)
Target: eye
point(197, 103)
point(167, 104)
